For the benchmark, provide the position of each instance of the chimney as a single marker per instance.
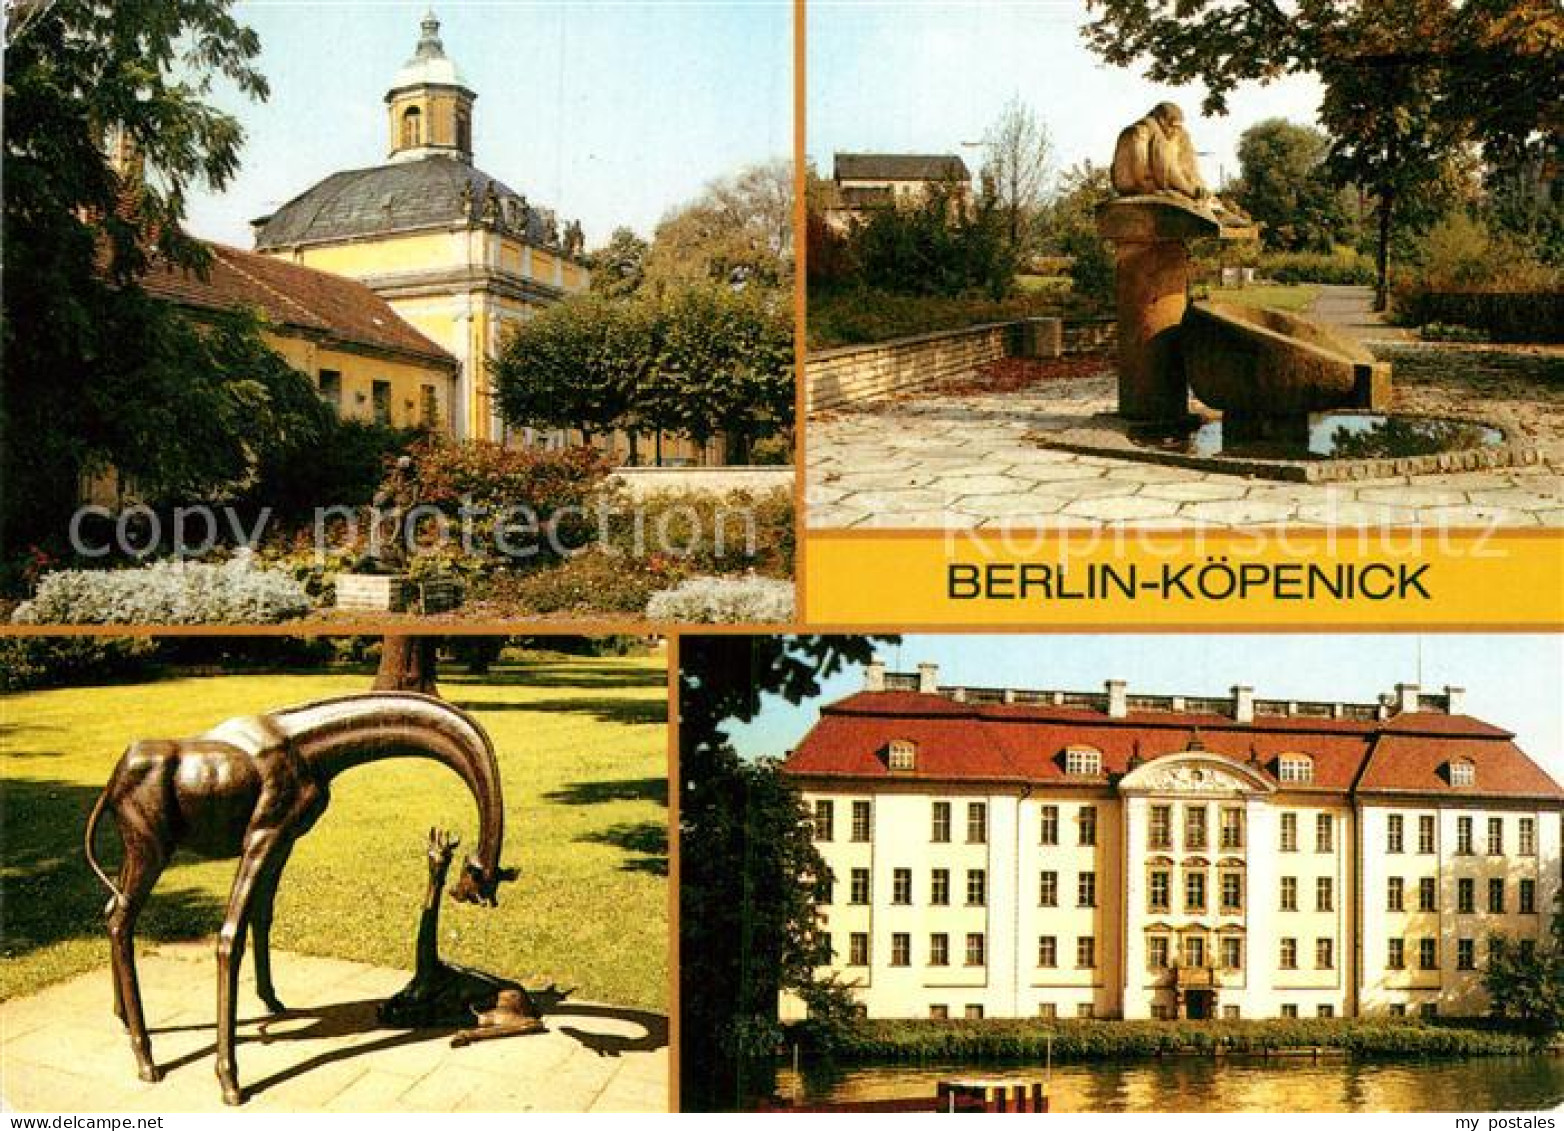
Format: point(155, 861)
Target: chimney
point(928, 679)
point(1456, 700)
point(1407, 697)
point(1243, 704)
point(1118, 698)
point(874, 676)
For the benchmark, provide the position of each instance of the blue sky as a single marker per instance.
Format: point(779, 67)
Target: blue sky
point(1513, 681)
point(610, 112)
point(927, 77)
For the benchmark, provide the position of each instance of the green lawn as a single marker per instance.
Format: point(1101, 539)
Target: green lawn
point(583, 753)
point(1296, 297)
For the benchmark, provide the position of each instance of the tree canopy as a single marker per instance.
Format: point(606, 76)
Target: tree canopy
point(739, 231)
point(1016, 157)
point(1525, 978)
point(1283, 184)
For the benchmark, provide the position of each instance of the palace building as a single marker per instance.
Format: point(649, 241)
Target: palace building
point(453, 250)
point(1021, 853)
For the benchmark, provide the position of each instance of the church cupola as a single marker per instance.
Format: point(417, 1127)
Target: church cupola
point(429, 103)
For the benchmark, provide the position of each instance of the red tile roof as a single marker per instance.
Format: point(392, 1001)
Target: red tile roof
point(291, 296)
point(1025, 742)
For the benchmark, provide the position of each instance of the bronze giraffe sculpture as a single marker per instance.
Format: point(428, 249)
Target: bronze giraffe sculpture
point(249, 788)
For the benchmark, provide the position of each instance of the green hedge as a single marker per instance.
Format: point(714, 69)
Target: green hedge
point(858, 317)
point(1506, 316)
point(1016, 1040)
point(1346, 269)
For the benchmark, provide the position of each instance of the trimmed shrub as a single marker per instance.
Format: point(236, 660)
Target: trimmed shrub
point(724, 600)
point(706, 531)
point(1344, 267)
point(53, 661)
point(171, 592)
point(858, 317)
point(593, 581)
point(1536, 316)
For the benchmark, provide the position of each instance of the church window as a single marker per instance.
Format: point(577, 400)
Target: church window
point(412, 127)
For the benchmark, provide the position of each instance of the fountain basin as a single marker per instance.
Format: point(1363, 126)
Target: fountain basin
point(1267, 370)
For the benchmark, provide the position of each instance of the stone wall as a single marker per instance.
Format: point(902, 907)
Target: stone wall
point(854, 374)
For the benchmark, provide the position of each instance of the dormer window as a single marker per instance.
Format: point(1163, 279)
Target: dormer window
point(1082, 761)
point(1463, 773)
point(902, 754)
point(1295, 769)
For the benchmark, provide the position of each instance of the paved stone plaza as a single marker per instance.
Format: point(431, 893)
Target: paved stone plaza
point(976, 460)
point(64, 1051)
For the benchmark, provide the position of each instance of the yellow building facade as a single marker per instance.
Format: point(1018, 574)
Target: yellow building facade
point(454, 251)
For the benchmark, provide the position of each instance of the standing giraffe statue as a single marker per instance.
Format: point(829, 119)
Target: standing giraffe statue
point(249, 788)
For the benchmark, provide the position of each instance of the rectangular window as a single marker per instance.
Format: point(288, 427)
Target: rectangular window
point(1232, 828)
point(1157, 952)
point(1048, 889)
point(1528, 897)
point(1161, 1011)
point(1395, 894)
point(977, 822)
point(428, 406)
point(1194, 951)
point(975, 949)
point(1159, 895)
point(1194, 891)
point(824, 821)
point(1086, 823)
point(1050, 827)
point(1528, 836)
point(977, 887)
point(1528, 949)
point(1496, 896)
point(1425, 835)
point(825, 889)
point(1325, 1011)
point(1428, 1010)
point(380, 395)
point(974, 1012)
point(1324, 954)
point(1086, 889)
point(1395, 833)
point(939, 887)
point(1047, 1010)
point(1086, 1011)
point(1290, 1011)
point(1289, 832)
point(1231, 1013)
point(1232, 891)
point(1427, 894)
point(861, 820)
point(1396, 954)
point(1047, 951)
point(858, 949)
point(939, 949)
point(901, 886)
point(1194, 828)
point(1086, 952)
point(939, 1013)
point(331, 388)
point(859, 891)
point(1465, 896)
point(1463, 836)
point(1289, 893)
point(1324, 833)
point(1324, 894)
point(1495, 836)
point(1160, 832)
point(1398, 1009)
point(940, 832)
point(1232, 953)
point(1466, 954)
point(1428, 954)
point(901, 949)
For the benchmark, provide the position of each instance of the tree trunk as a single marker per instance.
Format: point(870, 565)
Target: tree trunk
point(1382, 252)
point(407, 663)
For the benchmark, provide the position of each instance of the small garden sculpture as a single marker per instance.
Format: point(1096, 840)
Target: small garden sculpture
point(442, 995)
point(249, 788)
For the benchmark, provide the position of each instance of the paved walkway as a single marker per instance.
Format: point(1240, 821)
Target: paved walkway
point(64, 1051)
point(975, 461)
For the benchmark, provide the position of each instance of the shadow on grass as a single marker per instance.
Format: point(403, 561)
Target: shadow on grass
point(646, 842)
point(624, 712)
point(49, 892)
point(602, 792)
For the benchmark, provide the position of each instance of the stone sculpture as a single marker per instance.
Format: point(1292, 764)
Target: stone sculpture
point(1155, 155)
point(575, 239)
point(250, 788)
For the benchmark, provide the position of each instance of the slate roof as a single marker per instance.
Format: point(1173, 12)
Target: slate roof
point(289, 295)
point(398, 196)
point(900, 167)
point(1024, 743)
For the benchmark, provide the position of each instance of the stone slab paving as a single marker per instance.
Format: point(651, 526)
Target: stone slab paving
point(62, 1050)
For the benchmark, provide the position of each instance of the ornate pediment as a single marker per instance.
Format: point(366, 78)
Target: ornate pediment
point(1199, 773)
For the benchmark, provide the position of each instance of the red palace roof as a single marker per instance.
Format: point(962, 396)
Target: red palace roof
point(1025, 743)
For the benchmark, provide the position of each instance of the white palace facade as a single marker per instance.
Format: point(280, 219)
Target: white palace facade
point(1022, 853)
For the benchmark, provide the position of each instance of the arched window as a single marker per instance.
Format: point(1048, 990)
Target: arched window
point(1463, 772)
point(412, 127)
point(902, 754)
point(1295, 768)
point(1083, 761)
point(463, 131)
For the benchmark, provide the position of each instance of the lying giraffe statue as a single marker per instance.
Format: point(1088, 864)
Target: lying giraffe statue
point(442, 994)
point(249, 788)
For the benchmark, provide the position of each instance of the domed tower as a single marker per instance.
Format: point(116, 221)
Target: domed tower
point(429, 105)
